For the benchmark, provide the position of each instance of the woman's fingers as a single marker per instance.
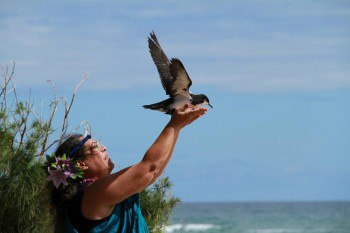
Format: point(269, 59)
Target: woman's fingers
point(187, 114)
point(187, 106)
point(196, 117)
point(198, 113)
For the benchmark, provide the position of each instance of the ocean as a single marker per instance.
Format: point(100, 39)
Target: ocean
point(261, 217)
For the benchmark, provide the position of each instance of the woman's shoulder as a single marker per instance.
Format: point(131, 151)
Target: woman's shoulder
point(76, 217)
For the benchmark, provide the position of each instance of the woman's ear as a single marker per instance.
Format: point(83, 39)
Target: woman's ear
point(82, 165)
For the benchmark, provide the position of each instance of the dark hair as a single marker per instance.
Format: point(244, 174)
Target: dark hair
point(68, 145)
point(60, 197)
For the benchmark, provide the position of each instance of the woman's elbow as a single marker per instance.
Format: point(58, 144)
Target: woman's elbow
point(151, 173)
point(158, 174)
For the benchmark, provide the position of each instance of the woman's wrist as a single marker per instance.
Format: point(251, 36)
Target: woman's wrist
point(174, 125)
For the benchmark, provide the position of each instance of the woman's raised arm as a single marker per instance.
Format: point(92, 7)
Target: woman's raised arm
point(101, 196)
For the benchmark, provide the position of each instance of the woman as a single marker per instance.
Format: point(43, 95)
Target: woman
point(105, 202)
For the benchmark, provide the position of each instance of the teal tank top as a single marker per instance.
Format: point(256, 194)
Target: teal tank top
point(125, 218)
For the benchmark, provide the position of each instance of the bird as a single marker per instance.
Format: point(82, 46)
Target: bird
point(175, 81)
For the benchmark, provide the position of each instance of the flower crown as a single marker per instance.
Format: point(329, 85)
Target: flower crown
point(64, 169)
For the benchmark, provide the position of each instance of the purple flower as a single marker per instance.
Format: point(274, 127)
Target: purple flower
point(59, 176)
point(61, 161)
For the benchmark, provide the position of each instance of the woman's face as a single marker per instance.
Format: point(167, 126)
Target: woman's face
point(97, 159)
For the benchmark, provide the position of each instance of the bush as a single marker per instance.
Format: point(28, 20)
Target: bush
point(157, 204)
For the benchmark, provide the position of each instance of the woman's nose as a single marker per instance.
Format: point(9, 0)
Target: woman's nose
point(104, 148)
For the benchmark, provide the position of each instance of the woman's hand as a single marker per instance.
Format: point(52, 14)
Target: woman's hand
point(186, 115)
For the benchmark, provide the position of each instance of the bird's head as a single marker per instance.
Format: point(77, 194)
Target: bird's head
point(206, 100)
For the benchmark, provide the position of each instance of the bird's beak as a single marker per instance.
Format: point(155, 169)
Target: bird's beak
point(210, 105)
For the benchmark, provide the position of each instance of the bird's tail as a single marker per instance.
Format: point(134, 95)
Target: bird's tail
point(162, 106)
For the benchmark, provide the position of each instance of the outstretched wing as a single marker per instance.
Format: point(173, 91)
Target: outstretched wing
point(161, 61)
point(182, 82)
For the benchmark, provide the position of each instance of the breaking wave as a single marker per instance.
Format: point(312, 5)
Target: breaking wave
point(189, 227)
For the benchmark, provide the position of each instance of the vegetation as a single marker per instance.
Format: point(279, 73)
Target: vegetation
point(24, 140)
point(157, 204)
point(24, 137)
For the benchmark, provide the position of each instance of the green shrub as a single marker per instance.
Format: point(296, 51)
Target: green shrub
point(157, 204)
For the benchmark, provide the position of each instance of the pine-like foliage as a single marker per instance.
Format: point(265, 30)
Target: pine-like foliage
point(157, 204)
point(24, 196)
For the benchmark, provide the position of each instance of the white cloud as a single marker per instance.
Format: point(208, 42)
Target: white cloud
point(281, 62)
point(237, 53)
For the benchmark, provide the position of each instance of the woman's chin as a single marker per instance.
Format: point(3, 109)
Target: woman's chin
point(110, 164)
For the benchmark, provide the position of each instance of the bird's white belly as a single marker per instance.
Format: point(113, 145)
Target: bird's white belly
point(178, 104)
point(199, 106)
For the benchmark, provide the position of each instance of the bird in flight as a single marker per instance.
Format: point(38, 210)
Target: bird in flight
point(175, 81)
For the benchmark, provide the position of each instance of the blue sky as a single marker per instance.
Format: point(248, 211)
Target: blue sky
point(276, 72)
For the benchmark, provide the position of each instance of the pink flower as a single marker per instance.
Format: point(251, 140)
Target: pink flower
point(58, 176)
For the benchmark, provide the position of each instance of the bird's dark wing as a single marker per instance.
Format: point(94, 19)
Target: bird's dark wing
point(161, 61)
point(182, 82)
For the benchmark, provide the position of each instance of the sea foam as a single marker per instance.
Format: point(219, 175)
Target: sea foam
point(288, 230)
point(275, 230)
point(189, 227)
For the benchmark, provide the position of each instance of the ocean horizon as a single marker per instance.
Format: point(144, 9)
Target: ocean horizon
point(261, 217)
